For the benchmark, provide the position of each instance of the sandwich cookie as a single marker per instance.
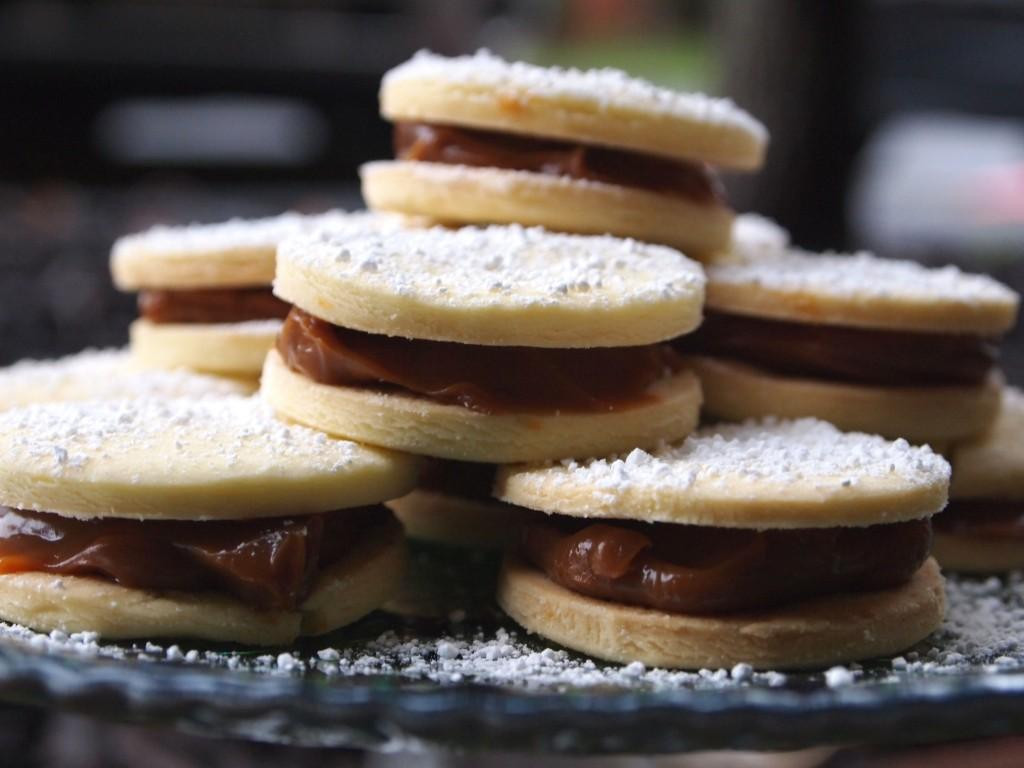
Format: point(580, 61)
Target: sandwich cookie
point(179, 518)
point(104, 374)
point(872, 345)
point(982, 529)
point(493, 344)
point(204, 289)
point(781, 544)
point(480, 140)
point(456, 532)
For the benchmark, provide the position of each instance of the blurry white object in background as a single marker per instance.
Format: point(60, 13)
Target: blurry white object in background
point(941, 184)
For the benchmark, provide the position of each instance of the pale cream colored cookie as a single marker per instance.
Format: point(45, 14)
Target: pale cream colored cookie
point(448, 519)
point(810, 634)
point(754, 235)
point(217, 458)
point(225, 349)
point(469, 195)
point(230, 254)
point(859, 290)
point(344, 592)
point(770, 474)
point(421, 426)
point(104, 374)
point(991, 465)
point(971, 554)
point(735, 391)
point(604, 107)
point(498, 286)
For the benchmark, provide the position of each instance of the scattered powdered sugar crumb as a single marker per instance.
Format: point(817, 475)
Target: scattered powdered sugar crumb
point(983, 633)
point(768, 451)
point(857, 276)
point(242, 233)
point(102, 374)
point(479, 266)
point(58, 438)
point(607, 88)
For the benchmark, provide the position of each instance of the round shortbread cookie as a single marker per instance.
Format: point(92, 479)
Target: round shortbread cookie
point(217, 458)
point(421, 426)
point(770, 474)
point(225, 349)
point(457, 521)
point(497, 286)
point(991, 466)
point(810, 634)
point(104, 374)
point(735, 391)
point(598, 106)
point(344, 592)
point(231, 254)
point(469, 195)
point(968, 554)
point(859, 290)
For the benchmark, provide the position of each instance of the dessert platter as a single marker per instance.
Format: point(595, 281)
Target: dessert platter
point(547, 450)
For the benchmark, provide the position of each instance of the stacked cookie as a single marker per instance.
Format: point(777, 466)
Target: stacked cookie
point(480, 140)
point(183, 518)
point(205, 301)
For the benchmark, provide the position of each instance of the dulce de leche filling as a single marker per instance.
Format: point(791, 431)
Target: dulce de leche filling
point(702, 570)
point(492, 149)
point(486, 379)
point(982, 519)
point(859, 355)
point(211, 305)
point(268, 564)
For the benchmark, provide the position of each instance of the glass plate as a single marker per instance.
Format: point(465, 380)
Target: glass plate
point(966, 682)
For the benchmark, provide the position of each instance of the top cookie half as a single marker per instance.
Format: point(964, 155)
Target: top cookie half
point(495, 286)
point(231, 254)
point(605, 107)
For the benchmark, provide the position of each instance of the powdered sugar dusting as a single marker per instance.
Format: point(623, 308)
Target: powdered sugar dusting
point(502, 266)
point(769, 457)
point(244, 233)
point(857, 276)
point(754, 235)
point(607, 88)
point(106, 374)
point(984, 633)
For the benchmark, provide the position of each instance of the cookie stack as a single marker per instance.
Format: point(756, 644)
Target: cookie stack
point(480, 140)
point(183, 518)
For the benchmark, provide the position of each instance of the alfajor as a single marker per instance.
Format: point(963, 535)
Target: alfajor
point(204, 289)
point(481, 140)
point(780, 544)
point(869, 344)
point(105, 374)
point(982, 529)
point(192, 518)
point(489, 344)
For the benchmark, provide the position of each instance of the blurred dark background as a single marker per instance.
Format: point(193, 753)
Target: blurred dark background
point(897, 125)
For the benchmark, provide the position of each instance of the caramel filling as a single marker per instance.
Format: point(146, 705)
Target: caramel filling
point(268, 564)
point(491, 149)
point(212, 305)
point(982, 519)
point(700, 570)
point(486, 379)
point(835, 353)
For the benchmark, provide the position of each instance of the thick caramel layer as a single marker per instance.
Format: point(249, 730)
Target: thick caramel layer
point(983, 519)
point(698, 570)
point(269, 564)
point(491, 149)
point(858, 355)
point(212, 305)
point(487, 379)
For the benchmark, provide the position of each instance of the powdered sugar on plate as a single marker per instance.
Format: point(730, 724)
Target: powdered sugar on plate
point(501, 266)
point(106, 374)
point(983, 634)
point(607, 88)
